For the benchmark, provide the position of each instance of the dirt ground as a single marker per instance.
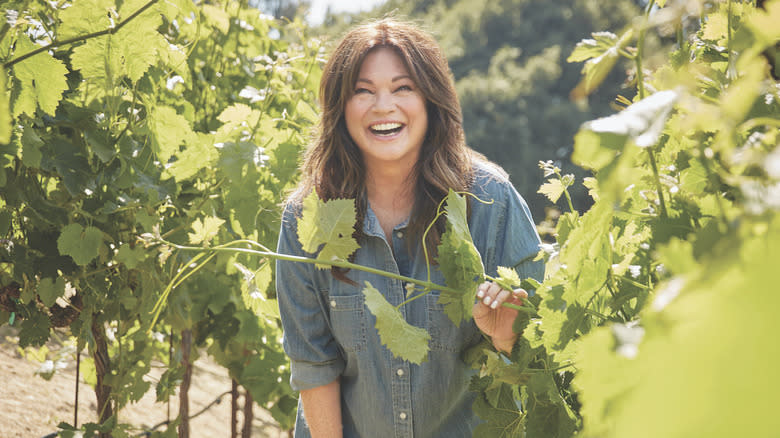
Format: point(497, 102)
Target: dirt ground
point(31, 407)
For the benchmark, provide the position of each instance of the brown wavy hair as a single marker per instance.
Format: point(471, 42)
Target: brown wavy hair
point(333, 164)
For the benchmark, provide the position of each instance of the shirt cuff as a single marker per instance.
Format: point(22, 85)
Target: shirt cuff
point(306, 375)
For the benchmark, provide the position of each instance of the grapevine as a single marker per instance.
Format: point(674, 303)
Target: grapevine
point(124, 118)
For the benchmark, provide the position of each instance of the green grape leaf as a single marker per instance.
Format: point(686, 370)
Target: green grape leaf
point(129, 256)
point(34, 330)
point(137, 43)
point(170, 130)
point(553, 189)
point(694, 179)
point(330, 224)
point(253, 290)
point(459, 261)
point(84, 17)
point(49, 290)
point(495, 405)
point(507, 278)
point(592, 47)
point(198, 154)
point(5, 110)
point(216, 17)
point(592, 184)
point(716, 27)
point(31, 147)
point(548, 413)
point(763, 23)
point(82, 244)
point(42, 78)
point(601, 54)
point(205, 230)
point(402, 339)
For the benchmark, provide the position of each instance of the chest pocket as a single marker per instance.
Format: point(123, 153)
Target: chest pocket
point(444, 335)
point(348, 319)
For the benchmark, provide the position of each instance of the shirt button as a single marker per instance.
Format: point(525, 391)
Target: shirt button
point(400, 372)
point(402, 415)
point(399, 234)
point(333, 303)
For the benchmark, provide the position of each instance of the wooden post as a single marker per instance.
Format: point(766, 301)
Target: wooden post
point(184, 398)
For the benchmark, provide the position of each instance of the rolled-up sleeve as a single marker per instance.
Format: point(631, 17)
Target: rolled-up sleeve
point(314, 354)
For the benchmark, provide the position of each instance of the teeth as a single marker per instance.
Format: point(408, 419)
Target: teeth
point(386, 126)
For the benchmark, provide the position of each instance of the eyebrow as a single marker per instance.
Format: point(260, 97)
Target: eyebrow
point(395, 79)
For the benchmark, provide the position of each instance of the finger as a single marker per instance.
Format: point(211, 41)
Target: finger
point(520, 294)
point(481, 289)
point(491, 291)
point(500, 298)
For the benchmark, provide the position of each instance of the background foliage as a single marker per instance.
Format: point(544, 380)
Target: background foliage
point(147, 118)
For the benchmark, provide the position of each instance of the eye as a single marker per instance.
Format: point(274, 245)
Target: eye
point(404, 88)
point(362, 90)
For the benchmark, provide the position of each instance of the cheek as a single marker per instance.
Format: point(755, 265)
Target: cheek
point(352, 116)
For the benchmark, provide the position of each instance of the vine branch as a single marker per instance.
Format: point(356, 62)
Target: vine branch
point(57, 44)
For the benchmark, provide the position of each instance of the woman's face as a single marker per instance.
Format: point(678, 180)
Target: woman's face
point(386, 115)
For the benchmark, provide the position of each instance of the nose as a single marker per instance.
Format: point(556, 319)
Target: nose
point(383, 101)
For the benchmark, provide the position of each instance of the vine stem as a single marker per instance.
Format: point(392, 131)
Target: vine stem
point(335, 263)
point(640, 85)
point(57, 44)
point(728, 41)
point(184, 274)
point(640, 79)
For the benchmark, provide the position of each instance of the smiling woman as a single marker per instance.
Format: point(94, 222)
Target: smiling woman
point(390, 138)
point(386, 118)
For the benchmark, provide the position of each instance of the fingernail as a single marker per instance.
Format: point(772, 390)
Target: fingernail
point(486, 301)
point(494, 305)
point(480, 293)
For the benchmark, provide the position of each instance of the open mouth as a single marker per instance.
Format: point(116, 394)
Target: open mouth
point(386, 129)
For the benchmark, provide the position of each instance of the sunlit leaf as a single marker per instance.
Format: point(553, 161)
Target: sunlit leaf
point(42, 78)
point(641, 122)
point(330, 224)
point(170, 131)
point(552, 189)
point(205, 230)
point(600, 55)
point(763, 23)
point(85, 17)
point(508, 278)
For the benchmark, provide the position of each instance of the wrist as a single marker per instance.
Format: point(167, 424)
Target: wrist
point(505, 345)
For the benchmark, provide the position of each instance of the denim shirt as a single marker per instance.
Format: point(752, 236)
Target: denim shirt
point(329, 332)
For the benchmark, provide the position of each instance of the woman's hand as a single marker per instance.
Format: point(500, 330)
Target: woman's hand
point(495, 320)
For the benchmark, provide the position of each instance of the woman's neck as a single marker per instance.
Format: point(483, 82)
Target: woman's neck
point(391, 195)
